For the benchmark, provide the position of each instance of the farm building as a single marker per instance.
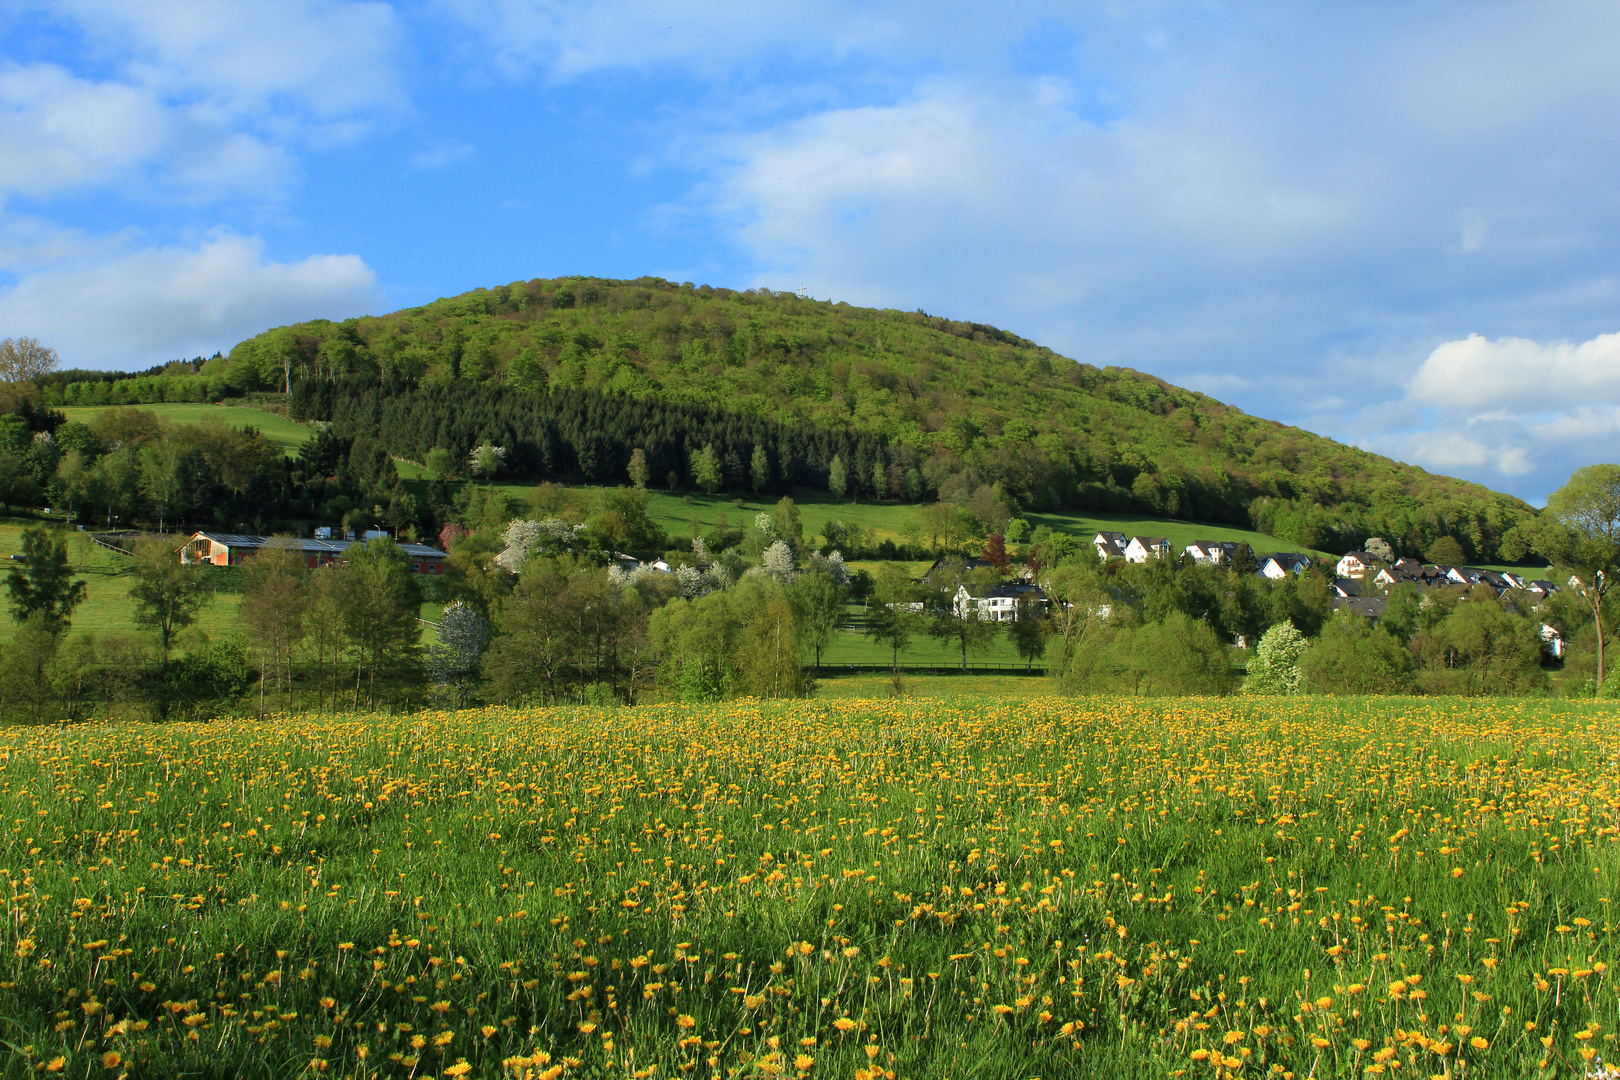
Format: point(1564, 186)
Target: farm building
point(232, 549)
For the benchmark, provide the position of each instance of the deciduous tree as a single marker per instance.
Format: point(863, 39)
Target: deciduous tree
point(168, 594)
point(44, 585)
point(892, 615)
point(1583, 536)
point(272, 609)
point(706, 469)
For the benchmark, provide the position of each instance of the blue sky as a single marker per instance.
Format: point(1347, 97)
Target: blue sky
point(1395, 224)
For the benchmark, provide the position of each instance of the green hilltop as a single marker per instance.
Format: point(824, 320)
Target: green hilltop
point(579, 372)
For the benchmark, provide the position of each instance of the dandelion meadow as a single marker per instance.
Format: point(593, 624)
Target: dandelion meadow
point(864, 889)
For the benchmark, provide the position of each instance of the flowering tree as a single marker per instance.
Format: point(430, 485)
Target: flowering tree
point(777, 563)
point(453, 663)
point(1275, 667)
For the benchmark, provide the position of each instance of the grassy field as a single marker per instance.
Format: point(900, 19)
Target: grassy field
point(866, 888)
point(285, 433)
point(107, 608)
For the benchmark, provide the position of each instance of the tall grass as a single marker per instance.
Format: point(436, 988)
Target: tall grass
point(912, 888)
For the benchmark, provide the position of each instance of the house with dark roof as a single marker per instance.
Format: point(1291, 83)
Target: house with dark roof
point(1355, 564)
point(1211, 552)
point(1351, 587)
point(1371, 608)
point(1002, 603)
point(1110, 545)
point(1280, 564)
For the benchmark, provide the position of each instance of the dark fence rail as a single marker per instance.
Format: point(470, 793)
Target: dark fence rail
point(115, 541)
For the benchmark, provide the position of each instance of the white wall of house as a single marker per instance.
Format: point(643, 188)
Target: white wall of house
point(1350, 566)
point(1138, 552)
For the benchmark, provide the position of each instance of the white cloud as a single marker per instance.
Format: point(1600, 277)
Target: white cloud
point(62, 132)
point(1227, 198)
point(1520, 377)
point(1509, 409)
point(328, 58)
point(196, 98)
point(145, 306)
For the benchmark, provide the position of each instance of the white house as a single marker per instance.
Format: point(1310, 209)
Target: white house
point(1110, 545)
point(1280, 564)
point(1000, 604)
point(1210, 552)
point(1143, 548)
point(1355, 564)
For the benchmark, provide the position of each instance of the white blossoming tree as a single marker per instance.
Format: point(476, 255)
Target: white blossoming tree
point(1275, 666)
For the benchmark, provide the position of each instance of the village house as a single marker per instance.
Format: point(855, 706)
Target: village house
point(1143, 548)
point(1279, 565)
point(1350, 587)
point(1001, 603)
point(232, 549)
point(1355, 564)
point(1110, 545)
point(1371, 608)
point(1211, 552)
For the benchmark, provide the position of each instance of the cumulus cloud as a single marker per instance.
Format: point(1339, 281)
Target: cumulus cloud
point(63, 132)
point(197, 98)
point(1519, 377)
point(328, 58)
point(143, 306)
point(1504, 409)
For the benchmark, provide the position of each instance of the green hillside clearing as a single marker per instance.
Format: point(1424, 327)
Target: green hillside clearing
point(285, 433)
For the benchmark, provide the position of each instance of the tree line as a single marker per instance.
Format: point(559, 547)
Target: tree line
point(562, 617)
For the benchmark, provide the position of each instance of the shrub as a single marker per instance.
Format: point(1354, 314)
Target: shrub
point(1352, 657)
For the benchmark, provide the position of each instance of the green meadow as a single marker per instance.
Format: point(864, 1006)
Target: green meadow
point(973, 887)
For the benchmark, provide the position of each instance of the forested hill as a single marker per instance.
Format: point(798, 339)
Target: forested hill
point(572, 375)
